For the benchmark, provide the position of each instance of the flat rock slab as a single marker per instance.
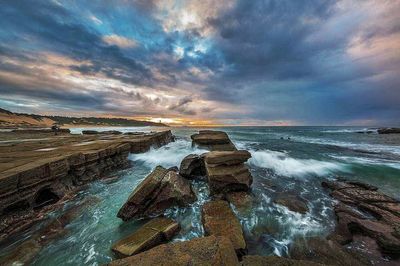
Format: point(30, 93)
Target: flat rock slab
point(213, 140)
point(153, 233)
point(219, 220)
point(274, 260)
point(199, 251)
point(160, 190)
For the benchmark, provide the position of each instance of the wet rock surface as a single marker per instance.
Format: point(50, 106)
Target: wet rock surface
point(160, 190)
point(153, 233)
point(323, 251)
point(241, 200)
point(364, 210)
point(226, 171)
point(219, 220)
point(273, 260)
point(213, 140)
point(210, 250)
point(292, 202)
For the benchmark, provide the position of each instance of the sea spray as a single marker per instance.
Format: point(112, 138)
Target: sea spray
point(167, 156)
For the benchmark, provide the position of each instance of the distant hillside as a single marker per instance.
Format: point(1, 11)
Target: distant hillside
point(10, 119)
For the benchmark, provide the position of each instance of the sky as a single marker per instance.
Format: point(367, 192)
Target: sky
point(208, 62)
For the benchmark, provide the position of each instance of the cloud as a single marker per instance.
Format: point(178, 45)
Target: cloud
point(120, 41)
point(302, 62)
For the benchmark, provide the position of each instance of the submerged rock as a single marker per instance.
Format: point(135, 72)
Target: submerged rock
point(242, 200)
point(153, 233)
point(292, 202)
point(324, 251)
point(199, 251)
point(213, 140)
point(252, 260)
point(219, 220)
point(364, 210)
point(160, 190)
point(192, 166)
point(226, 171)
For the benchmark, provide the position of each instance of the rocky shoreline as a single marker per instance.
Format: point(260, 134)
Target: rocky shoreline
point(364, 215)
point(39, 169)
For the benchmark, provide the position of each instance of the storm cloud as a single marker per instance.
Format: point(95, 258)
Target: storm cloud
point(262, 62)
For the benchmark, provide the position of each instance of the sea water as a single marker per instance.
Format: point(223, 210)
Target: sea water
point(284, 159)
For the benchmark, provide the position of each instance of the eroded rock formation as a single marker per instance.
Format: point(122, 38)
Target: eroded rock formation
point(33, 177)
point(226, 171)
point(160, 190)
point(364, 210)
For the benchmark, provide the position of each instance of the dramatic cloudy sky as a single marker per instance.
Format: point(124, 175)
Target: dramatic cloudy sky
point(258, 62)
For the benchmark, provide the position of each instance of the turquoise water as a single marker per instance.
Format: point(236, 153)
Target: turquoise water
point(284, 159)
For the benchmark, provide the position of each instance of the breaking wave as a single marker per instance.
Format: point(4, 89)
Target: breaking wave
point(167, 156)
point(282, 164)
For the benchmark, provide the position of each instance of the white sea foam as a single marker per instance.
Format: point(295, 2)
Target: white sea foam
point(283, 164)
point(368, 161)
point(167, 156)
point(355, 146)
point(351, 130)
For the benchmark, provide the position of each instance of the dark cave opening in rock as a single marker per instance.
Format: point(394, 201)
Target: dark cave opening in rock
point(45, 197)
point(22, 205)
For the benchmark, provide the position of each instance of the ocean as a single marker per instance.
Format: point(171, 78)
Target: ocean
point(293, 160)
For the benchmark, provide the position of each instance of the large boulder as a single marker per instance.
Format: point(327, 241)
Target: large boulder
point(226, 171)
point(199, 251)
point(361, 209)
point(219, 220)
point(160, 190)
point(192, 166)
point(213, 140)
point(151, 234)
point(253, 260)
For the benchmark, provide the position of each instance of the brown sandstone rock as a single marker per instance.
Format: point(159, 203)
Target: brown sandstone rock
point(226, 157)
point(323, 251)
point(200, 251)
point(213, 140)
point(226, 171)
point(364, 210)
point(251, 260)
point(219, 220)
point(160, 190)
point(151, 234)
